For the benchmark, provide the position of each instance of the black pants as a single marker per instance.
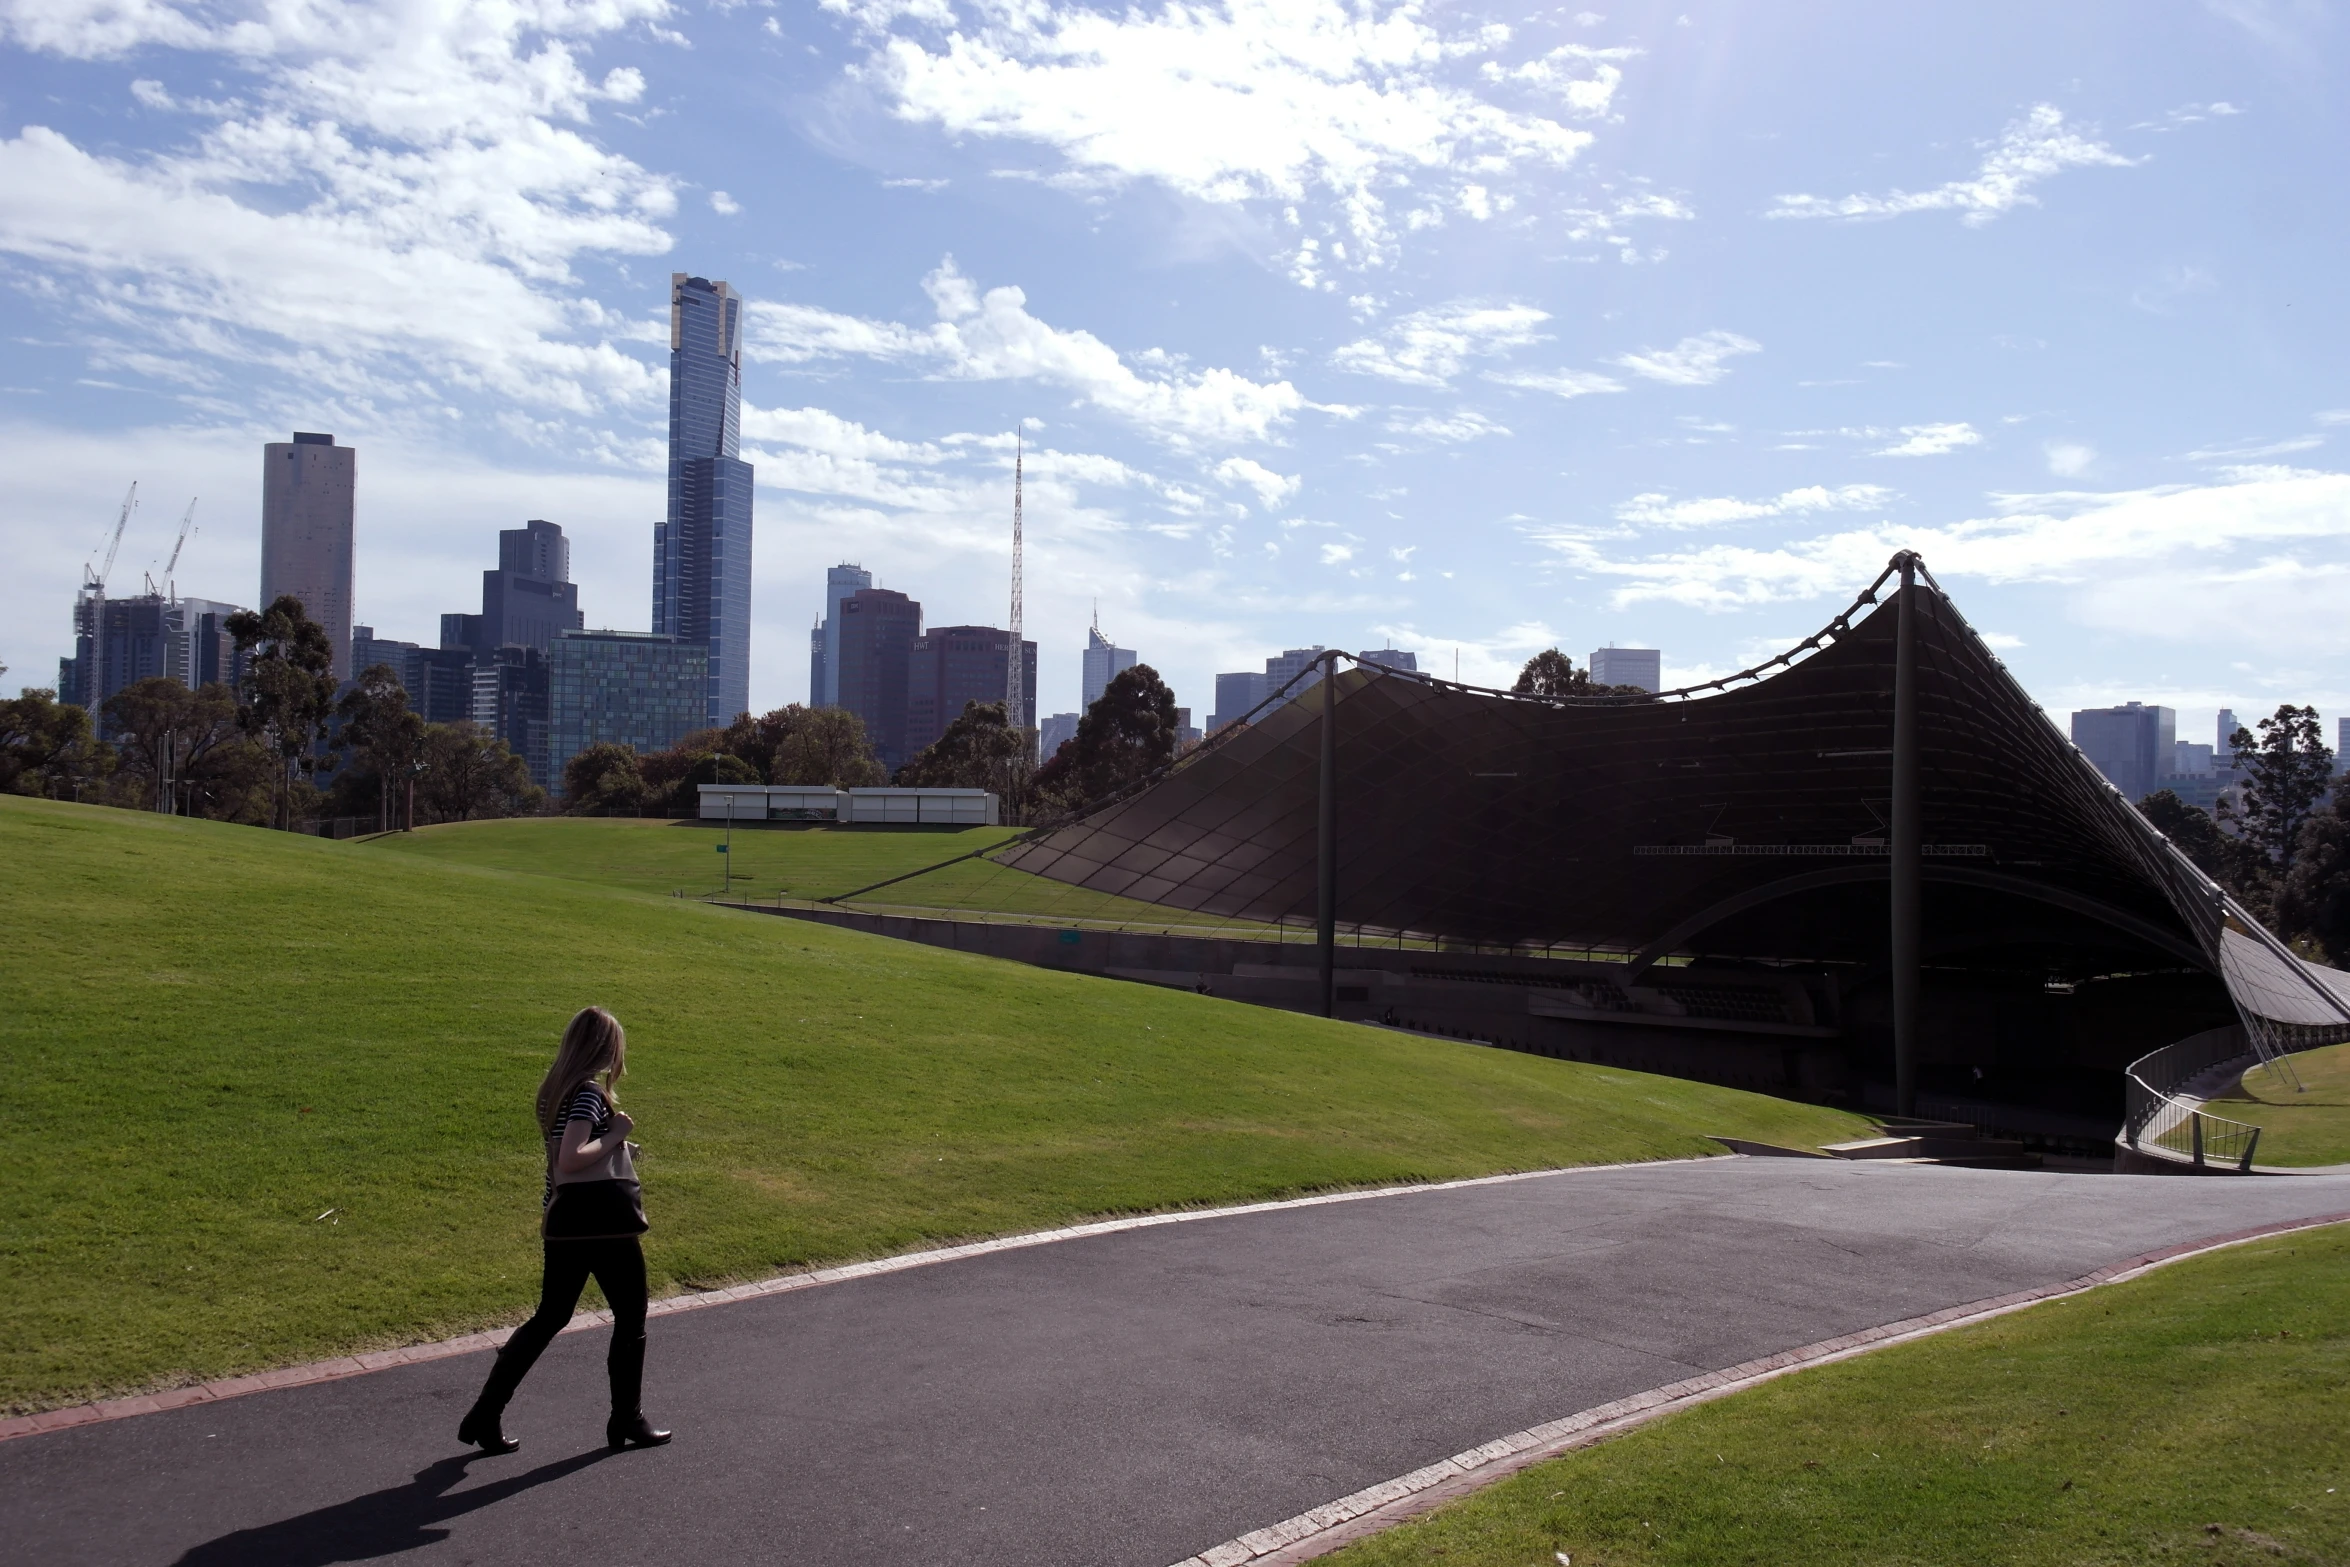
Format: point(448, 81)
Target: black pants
point(619, 1269)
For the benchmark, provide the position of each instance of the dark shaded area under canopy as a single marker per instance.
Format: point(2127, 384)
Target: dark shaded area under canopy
point(1742, 826)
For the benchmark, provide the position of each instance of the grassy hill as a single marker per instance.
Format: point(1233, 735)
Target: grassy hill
point(268, 1096)
point(795, 862)
point(2304, 1127)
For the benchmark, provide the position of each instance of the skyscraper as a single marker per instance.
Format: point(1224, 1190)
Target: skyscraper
point(1392, 658)
point(511, 699)
point(1103, 664)
point(2225, 744)
point(840, 583)
point(530, 596)
point(952, 665)
point(878, 627)
point(1628, 666)
point(2131, 745)
point(1292, 663)
point(1237, 694)
point(624, 687)
point(308, 487)
point(702, 550)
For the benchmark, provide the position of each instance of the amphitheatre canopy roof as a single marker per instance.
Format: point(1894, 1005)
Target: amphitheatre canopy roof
point(1745, 819)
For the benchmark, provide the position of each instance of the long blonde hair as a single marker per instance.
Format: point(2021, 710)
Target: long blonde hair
point(593, 1042)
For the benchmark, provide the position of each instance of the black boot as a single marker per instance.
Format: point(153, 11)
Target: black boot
point(480, 1428)
point(633, 1431)
point(628, 1426)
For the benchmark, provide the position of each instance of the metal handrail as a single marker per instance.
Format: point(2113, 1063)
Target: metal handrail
point(2153, 1116)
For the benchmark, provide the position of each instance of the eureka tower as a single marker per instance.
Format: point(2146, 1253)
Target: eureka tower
point(702, 550)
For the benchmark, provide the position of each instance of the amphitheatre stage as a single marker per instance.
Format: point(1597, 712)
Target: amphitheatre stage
point(1870, 871)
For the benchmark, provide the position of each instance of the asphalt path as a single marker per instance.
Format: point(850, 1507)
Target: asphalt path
point(1124, 1399)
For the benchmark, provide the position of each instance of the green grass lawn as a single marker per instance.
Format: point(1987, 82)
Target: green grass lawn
point(269, 1096)
point(2194, 1415)
point(796, 862)
point(2297, 1128)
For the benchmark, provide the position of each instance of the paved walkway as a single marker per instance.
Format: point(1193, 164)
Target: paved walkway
point(1126, 1399)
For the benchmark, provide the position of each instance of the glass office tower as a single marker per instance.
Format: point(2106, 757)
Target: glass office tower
point(702, 549)
point(623, 687)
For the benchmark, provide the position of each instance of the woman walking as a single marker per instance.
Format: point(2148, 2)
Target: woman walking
point(594, 1212)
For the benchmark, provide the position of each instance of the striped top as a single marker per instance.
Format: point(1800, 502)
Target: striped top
point(589, 1105)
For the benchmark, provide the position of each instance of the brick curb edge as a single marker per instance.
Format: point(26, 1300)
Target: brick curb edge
point(341, 1366)
point(1381, 1507)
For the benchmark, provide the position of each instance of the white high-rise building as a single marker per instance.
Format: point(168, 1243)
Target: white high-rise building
point(1628, 666)
point(841, 583)
point(1103, 664)
point(2225, 743)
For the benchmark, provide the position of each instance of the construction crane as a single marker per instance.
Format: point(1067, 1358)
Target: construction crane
point(171, 591)
point(95, 581)
point(89, 616)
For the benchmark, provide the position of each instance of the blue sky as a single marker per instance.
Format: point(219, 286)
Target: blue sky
point(1465, 328)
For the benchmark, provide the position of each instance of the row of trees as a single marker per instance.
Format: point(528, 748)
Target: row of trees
point(256, 752)
point(1127, 734)
point(2280, 846)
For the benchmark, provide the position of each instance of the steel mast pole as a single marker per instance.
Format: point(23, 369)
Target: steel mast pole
point(1326, 843)
point(1908, 844)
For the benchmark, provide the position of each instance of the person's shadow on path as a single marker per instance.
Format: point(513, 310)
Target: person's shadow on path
point(397, 1518)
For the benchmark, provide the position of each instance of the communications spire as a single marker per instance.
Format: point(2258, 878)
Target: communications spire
point(1015, 688)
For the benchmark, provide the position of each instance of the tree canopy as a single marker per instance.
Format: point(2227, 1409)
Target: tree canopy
point(2290, 769)
point(48, 746)
point(190, 740)
point(1127, 734)
point(979, 750)
point(289, 687)
point(1551, 673)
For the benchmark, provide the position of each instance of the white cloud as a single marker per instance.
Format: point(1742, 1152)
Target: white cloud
point(1241, 101)
point(1583, 79)
point(1559, 383)
point(2070, 537)
point(1693, 361)
point(1273, 490)
point(1464, 424)
point(1662, 511)
point(1932, 440)
point(2031, 149)
point(1337, 554)
point(410, 185)
point(2251, 451)
point(2334, 416)
point(2069, 459)
point(1429, 347)
point(992, 336)
point(723, 204)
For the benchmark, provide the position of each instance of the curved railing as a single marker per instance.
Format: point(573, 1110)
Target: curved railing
point(2157, 1120)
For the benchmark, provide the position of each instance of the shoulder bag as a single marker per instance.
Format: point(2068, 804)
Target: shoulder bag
point(602, 1202)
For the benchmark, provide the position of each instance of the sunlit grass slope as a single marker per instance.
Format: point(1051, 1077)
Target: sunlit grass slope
point(2191, 1416)
point(2308, 1127)
point(268, 1096)
point(796, 862)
